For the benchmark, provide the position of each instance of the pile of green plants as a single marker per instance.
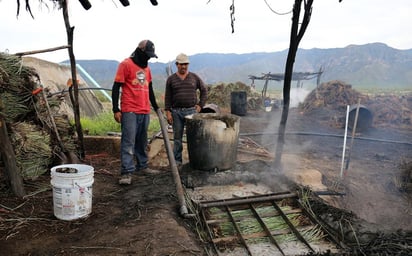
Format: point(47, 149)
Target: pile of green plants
point(220, 94)
point(22, 111)
point(38, 132)
point(249, 226)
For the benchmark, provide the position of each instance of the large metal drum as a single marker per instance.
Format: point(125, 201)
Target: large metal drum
point(212, 141)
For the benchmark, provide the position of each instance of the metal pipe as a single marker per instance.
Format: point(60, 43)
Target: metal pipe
point(80, 89)
point(355, 122)
point(93, 81)
point(328, 193)
point(344, 141)
point(175, 171)
point(245, 200)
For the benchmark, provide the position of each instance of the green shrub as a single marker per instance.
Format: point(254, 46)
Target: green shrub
point(104, 123)
point(100, 125)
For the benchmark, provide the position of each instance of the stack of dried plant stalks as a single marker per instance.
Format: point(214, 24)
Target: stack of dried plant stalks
point(388, 110)
point(28, 120)
point(334, 95)
point(220, 95)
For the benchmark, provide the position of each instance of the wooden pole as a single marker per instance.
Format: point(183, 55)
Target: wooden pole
point(20, 54)
point(12, 172)
point(74, 94)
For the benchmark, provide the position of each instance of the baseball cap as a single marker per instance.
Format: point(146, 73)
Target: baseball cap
point(148, 47)
point(182, 59)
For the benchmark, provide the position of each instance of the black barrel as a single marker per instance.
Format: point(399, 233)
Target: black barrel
point(238, 103)
point(212, 141)
point(365, 118)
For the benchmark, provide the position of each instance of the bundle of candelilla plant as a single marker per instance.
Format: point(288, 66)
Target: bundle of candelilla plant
point(32, 149)
point(251, 228)
point(20, 107)
point(16, 85)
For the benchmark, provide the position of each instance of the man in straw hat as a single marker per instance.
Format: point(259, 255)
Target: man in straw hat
point(181, 100)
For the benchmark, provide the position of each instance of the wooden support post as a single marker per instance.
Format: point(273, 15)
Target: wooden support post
point(11, 172)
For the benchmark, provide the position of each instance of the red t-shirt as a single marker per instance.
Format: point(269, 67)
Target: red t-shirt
point(135, 89)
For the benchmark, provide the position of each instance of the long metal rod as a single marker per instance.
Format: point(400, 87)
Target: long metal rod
point(265, 228)
point(245, 200)
point(242, 239)
point(355, 122)
point(294, 230)
point(80, 89)
point(175, 171)
point(344, 141)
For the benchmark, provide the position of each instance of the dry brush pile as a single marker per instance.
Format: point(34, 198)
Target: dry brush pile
point(220, 95)
point(332, 97)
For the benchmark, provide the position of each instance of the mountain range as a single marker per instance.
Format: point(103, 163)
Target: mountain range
point(374, 65)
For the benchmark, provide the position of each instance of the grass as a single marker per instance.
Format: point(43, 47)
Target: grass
point(104, 123)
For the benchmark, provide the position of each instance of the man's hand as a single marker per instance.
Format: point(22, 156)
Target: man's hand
point(169, 117)
point(198, 108)
point(118, 116)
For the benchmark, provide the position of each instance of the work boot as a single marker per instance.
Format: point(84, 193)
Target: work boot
point(125, 179)
point(149, 171)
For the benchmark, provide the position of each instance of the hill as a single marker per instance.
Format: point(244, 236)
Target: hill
point(374, 65)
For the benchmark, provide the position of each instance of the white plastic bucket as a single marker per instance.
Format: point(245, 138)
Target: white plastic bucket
point(72, 192)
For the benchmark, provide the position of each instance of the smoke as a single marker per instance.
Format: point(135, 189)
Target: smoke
point(297, 95)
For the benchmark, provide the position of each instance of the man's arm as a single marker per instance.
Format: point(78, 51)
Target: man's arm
point(168, 102)
point(203, 93)
point(115, 101)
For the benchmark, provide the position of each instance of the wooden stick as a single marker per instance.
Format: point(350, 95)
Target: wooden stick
point(42, 51)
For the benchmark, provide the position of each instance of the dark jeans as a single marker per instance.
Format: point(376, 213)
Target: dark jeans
point(178, 115)
point(134, 142)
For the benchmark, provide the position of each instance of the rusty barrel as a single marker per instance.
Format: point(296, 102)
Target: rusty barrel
point(212, 141)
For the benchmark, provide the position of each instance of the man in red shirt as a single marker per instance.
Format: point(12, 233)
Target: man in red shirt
point(134, 78)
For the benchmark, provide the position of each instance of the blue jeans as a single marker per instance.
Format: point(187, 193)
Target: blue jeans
point(178, 115)
point(134, 142)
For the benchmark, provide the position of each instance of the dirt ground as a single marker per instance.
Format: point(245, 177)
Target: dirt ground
point(144, 219)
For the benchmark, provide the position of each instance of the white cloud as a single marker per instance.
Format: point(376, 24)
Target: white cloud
point(110, 31)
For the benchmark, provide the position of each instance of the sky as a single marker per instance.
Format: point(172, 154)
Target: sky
point(111, 31)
